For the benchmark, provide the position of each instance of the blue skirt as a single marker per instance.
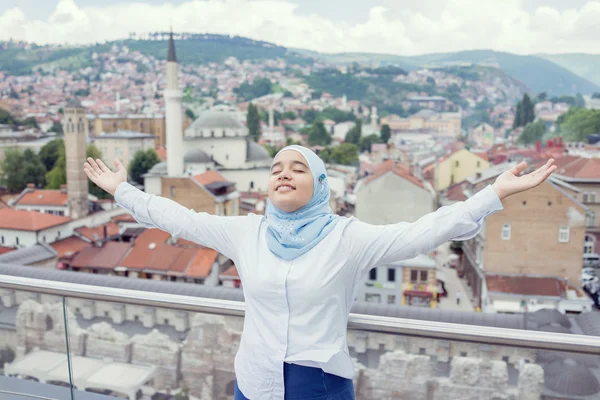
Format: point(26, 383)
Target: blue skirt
point(303, 383)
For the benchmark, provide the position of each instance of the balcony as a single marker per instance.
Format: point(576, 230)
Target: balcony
point(67, 335)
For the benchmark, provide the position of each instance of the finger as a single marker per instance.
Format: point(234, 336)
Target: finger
point(118, 164)
point(517, 169)
point(94, 166)
point(90, 173)
point(543, 168)
point(102, 166)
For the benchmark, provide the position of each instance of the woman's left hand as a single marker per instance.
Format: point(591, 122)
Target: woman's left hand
point(510, 182)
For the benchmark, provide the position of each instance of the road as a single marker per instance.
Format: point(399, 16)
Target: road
point(453, 284)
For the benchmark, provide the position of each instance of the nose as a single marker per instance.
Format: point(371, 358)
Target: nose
point(285, 174)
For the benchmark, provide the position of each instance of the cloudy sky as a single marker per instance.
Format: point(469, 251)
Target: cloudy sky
point(405, 27)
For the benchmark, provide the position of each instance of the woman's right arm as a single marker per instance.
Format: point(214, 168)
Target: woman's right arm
point(151, 211)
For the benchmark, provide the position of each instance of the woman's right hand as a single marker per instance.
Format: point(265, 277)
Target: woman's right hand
point(102, 176)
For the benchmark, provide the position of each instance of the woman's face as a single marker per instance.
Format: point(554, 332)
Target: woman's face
point(291, 182)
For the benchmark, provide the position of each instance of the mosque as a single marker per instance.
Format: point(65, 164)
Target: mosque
point(217, 140)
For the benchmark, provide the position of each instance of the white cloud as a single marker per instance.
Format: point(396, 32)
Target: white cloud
point(407, 28)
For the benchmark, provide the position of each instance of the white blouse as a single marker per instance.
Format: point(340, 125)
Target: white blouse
point(297, 311)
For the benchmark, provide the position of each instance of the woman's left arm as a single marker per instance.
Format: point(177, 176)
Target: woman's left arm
point(374, 245)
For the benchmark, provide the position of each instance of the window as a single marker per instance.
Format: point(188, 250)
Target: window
point(44, 238)
point(391, 275)
point(2, 239)
point(422, 351)
point(588, 244)
point(593, 197)
point(136, 317)
point(414, 276)
point(251, 185)
point(373, 298)
point(166, 321)
point(391, 299)
point(463, 353)
point(478, 164)
point(505, 358)
point(563, 234)
point(373, 274)
point(17, 240)
point(106, 313)
point(585, 197)
point(172, 191)
point(423, 276)
point(506, 232)
point(456, 163)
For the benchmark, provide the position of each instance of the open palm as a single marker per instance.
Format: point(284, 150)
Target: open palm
point(510, 182)
point(102, 176)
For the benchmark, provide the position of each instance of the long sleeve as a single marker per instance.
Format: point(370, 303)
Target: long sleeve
point(151, 211)
point(377, 245)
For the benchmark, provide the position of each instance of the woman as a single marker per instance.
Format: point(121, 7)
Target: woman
point(301, 265)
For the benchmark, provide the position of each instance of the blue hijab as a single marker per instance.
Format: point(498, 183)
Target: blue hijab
point(289, 235)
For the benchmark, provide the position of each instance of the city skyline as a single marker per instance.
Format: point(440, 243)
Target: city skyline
point(382, 26)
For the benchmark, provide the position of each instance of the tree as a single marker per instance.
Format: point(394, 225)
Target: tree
point(527, 109)
point(386, 133)
point(190, 114)
point(13, 173)
point(542, 96)
point(318, 135)
point(58, 174)
point(288, 115)
point(365, 142)
point(6, 117)
point(577, 123)
point(345, 154)
point(141, 163)
point(309, 116)
point(579, 100)
point(57, 127)
point(525, 112)
point(50, 152)
point(354, 134)
point(533, 132)
point(253, 122)
point(596, 95)
point(34, 170)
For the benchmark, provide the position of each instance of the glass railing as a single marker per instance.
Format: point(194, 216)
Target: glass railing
point(139, 339)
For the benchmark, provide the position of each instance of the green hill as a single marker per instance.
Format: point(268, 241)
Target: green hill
point(585, 65)
point(537, 73)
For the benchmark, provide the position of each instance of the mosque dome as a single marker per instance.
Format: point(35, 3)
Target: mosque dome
point(196, 156)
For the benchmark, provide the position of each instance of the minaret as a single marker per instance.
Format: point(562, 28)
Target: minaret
point(173, 115)
point(75, 127)
point(374, 118)
point(271, 120)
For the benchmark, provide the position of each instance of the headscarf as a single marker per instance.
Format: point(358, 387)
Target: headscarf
point(289, 235)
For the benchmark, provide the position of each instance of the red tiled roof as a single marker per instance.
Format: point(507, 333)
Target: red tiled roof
point(109, 256)
point(71, 244)
point(202, 263)
point(578, 167)
point(29, 220)
point(525, 285)
point(398, 169)
point(4, 250)
point(88, 232)
point(44, 197)
point(231, 271)
point(482, 155)
point(209, 177)
point(456, 193)
point(123, 218)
